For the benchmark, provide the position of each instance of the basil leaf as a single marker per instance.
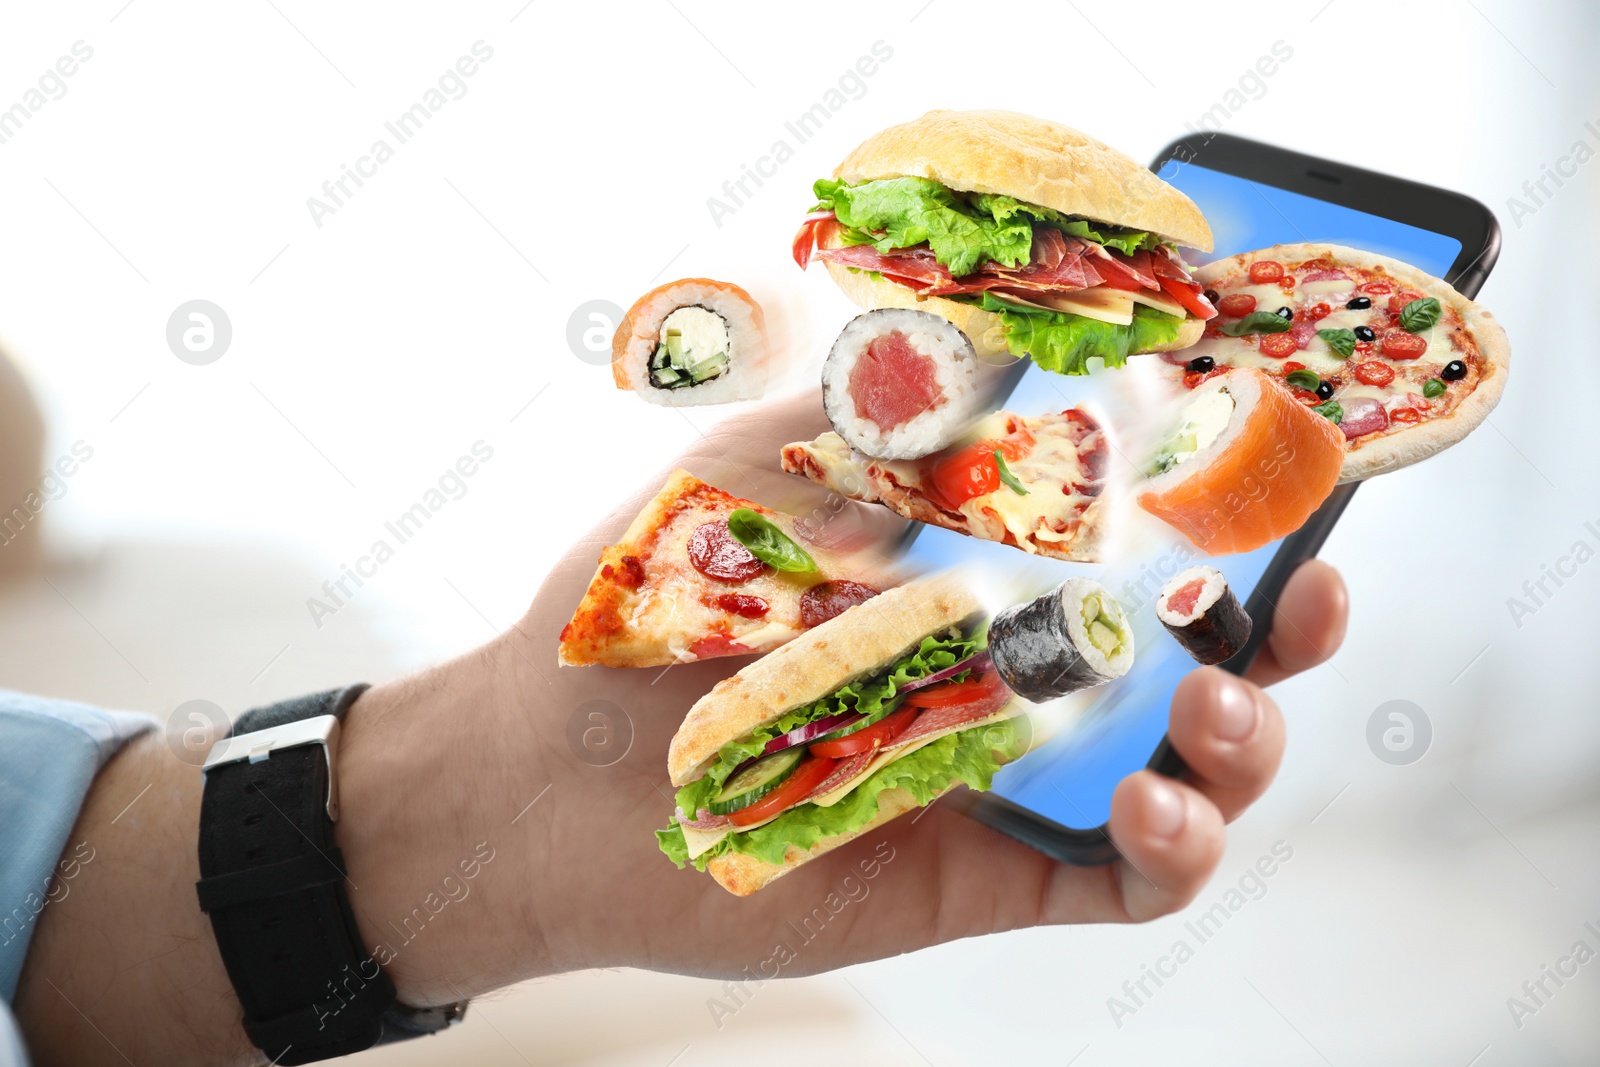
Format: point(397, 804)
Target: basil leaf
point(1006, 476)
point(1432, 388)
point(768, 543)
point(1420, 315)
point(1330, 411)
point(1342, 342)
point(1257, 322)
point(1303, 379)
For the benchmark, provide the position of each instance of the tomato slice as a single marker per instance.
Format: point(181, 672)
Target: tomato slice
point(1374, 373)
point(1237, 304)
point(1265, 270)
point(1192, 300)
point(949, 694)
point(1279, 345)
point(877, 735)
point(805, 778)
point(1398, 344)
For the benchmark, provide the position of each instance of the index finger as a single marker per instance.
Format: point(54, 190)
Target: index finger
point(1308, 624)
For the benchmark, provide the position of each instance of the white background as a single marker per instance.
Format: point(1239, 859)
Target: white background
point(431, 311)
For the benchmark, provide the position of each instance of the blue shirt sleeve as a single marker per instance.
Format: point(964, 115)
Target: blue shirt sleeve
point(50, 751)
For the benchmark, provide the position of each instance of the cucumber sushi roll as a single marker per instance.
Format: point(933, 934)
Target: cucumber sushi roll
point(1074, 637)
point(1199, 609)
point(690, 342)
point(900, 384)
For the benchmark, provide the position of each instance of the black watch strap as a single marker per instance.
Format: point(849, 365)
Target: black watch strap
point(273, 882)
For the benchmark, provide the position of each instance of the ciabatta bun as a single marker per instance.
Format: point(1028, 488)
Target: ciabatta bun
point(1034, 160)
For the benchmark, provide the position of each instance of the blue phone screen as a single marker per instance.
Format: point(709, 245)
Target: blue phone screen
point(1069, 780)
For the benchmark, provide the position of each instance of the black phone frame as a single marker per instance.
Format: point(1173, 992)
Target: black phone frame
point(1402, 200)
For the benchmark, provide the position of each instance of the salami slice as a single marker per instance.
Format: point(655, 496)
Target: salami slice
point(828, 600)
point(716, 553)
point(935, 720)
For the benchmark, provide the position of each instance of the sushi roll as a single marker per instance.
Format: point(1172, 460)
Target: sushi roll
point(1199, 609)
point(1245, 464)
point(900, 384)
point(1074, 637)
point(692, 341)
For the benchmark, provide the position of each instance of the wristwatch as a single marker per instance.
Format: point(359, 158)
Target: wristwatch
point(273, 882)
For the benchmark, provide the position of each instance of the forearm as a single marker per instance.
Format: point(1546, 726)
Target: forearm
point(124, 967)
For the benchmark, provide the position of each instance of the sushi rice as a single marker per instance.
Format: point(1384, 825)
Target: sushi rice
point(954, 366)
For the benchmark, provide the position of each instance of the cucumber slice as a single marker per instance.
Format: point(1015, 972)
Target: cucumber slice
point(708, 368)
point(674, 346)
point(1103, 637)
point(756, 781)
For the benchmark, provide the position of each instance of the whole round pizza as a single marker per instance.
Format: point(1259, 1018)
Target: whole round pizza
point(1400, 361)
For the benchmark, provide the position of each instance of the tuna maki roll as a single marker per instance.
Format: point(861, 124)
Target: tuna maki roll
point(1199, 609)
point(1074, 637)
point(900, 384)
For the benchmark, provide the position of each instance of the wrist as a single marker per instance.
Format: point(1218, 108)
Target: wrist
point(434, 771)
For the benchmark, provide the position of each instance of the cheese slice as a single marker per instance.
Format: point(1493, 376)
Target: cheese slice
point(1102, 302)
point(1160, 301)
point(702, 841)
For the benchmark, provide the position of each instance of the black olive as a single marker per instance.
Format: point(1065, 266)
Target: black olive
point(1454, 371)
point(1212, 295)
point(1359, 303)
point(1364, 333)
point(1203, 364)
point(1324, 390)
point(1285, 313)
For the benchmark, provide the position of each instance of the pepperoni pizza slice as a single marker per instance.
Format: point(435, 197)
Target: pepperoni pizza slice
point(1404, 364)
point(681, 586)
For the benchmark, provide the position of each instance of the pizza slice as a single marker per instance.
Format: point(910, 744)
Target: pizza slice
point(682, 585)
point(1032, 483)
point(1405, 365)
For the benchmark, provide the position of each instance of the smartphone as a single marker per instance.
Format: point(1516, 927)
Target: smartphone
point(1058, 798)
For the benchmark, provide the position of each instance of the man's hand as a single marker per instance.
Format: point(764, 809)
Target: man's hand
point(467, 767)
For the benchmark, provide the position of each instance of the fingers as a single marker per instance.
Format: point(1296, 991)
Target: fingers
point(1231, 735)
point(1307, 626)
point(1170, 837)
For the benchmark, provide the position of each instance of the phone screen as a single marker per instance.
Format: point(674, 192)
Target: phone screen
point(1070, 778)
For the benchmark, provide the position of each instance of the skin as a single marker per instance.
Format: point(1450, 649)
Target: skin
point(466, 767)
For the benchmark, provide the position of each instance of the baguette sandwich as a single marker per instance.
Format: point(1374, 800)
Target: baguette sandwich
point(878, 711)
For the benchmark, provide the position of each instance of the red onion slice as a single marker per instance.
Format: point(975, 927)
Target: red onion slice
point(979, 662)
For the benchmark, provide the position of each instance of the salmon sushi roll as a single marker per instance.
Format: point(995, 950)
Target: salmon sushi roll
point(900, 384)
point(1245, 464)
point(692, 341)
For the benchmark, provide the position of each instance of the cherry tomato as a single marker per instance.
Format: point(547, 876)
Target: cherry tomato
point(1363, 347)
point(1374, 373)
point(1237, 304)
point(1192, 301)
point(1398, 301)
point(796, 787)
point(1279, 345)
point(1265, 270)
point(877, 735)
point(1377, 287)
point(1398, 344)
point(1320, 311)
point(949, 694)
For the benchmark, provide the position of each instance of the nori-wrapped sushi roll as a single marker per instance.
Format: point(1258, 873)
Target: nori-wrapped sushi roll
point(1199, 609)
point(1074, 637)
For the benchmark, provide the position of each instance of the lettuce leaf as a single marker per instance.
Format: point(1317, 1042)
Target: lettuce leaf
point(1062, 342)
point(963, 230)
point(864, 696)
point(970, 756)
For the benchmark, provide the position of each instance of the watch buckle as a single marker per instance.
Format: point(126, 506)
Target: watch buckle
point(259, 745)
